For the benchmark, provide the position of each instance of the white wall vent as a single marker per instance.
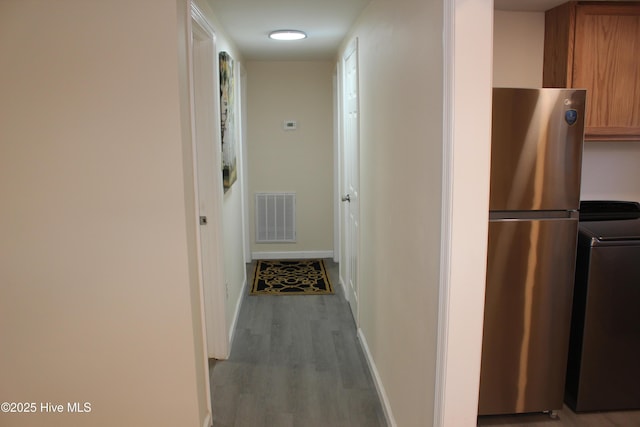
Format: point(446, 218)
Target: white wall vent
point(275, 217)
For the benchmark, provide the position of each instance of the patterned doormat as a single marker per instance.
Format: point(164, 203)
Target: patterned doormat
point(291, 277)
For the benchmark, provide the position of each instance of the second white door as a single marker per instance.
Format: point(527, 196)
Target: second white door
point(351, 190)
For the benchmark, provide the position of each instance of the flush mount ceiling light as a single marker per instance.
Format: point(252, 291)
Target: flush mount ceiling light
point(287, 35)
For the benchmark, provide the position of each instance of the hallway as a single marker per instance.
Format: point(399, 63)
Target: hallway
point(295, 361)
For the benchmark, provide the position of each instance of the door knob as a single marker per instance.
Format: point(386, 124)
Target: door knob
point(346, 198)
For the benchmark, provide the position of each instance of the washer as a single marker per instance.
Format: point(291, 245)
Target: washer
point(603, 371)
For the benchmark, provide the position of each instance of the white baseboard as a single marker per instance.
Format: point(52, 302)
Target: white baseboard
point(344, 289)
point(292, 255)
point(386, 406)
point(234, 321)
point(207, 421)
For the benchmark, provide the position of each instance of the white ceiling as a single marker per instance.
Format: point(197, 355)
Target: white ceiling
point(249, 22)
point(326, 22)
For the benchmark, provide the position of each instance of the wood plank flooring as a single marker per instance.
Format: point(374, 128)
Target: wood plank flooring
point(295, 362)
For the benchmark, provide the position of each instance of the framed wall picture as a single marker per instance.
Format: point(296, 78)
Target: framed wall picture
point(227, 120)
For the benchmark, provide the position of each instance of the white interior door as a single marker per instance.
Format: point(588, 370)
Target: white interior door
point(351, 190)
point(209, 183)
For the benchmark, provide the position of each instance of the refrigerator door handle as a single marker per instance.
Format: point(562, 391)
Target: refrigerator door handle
point(529, 215)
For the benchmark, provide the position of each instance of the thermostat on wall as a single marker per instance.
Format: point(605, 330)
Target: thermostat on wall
point(290, 125)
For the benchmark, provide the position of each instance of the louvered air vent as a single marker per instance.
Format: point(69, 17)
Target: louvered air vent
point(275, 217)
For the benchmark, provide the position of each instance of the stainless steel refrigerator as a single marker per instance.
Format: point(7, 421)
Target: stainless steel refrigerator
point(536, 157)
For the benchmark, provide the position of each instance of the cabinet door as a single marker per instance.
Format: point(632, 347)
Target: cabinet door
point(606, 62)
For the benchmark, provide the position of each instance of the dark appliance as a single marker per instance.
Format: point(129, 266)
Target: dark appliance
point(603, 371)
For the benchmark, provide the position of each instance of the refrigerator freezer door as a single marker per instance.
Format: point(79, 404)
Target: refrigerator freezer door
point(527, 315)
point(536, 149)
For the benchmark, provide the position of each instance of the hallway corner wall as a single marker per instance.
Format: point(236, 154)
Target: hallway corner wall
point(232, 206)
point(401, 134)
point(96, 281)
point(299, 160)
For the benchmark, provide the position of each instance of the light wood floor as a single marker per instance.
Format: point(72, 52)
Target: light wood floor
point(295, 361)
point(566, 418)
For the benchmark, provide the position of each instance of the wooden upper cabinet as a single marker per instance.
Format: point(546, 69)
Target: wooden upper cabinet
point(596, 46)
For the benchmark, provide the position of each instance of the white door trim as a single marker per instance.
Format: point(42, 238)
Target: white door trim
point(350, 265)
point(206, 139)
point(336, 165)
point(468, 47)
point(445, 228)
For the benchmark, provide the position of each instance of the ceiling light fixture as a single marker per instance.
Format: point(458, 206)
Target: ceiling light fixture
point(287, 35)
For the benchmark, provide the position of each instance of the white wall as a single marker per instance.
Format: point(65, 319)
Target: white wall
point(609, 169)
point(232, 213)
point(424, 153)
point(99, 300)
point(518, 49)
point(234, 265)
point(298, 160)
point(401, 118)
point(468, 42)
point(234, 262)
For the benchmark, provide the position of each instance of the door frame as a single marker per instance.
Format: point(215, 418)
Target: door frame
point(337, 165)
point(345, 247)
point(467, 82)
point(208, 191)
